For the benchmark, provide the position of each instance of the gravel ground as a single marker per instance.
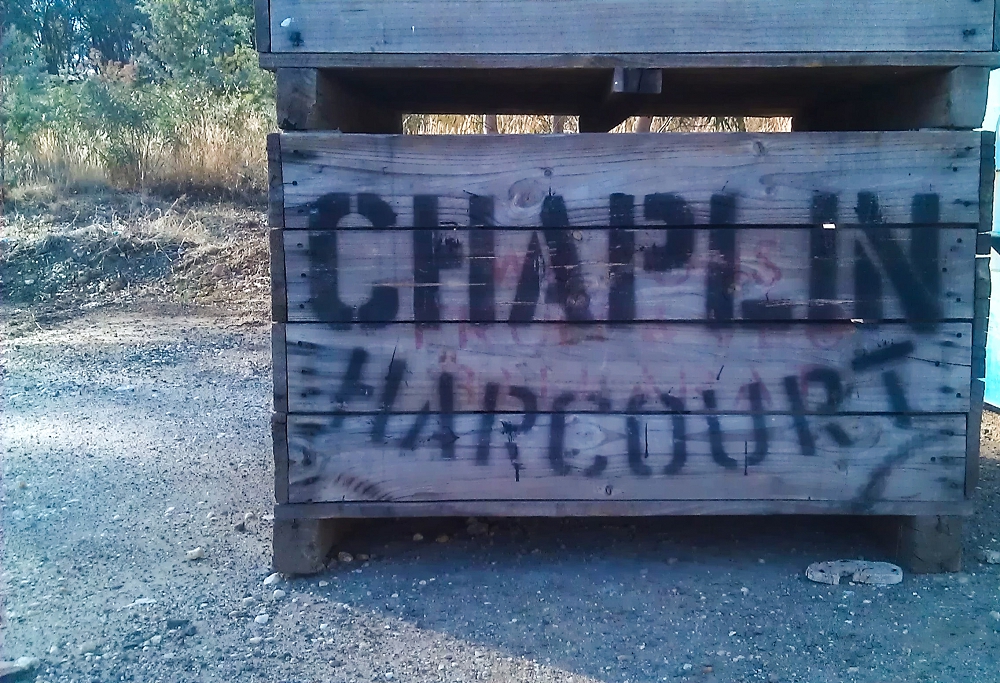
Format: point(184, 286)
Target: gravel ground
point(134, 435)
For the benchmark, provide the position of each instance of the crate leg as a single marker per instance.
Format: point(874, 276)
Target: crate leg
point(925, 545)
point(313, 99)
point(302, 546)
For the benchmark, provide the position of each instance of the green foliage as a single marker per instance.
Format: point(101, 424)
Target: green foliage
point(136, 91)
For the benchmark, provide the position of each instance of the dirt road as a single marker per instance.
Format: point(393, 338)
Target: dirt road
point(132, 436)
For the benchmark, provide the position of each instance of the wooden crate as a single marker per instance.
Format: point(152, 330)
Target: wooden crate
point(629, 325)
point(623, 325)
point(849, 65)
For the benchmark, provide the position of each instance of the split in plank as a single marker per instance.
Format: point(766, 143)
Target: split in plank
point(548, 180)
point(857, 459)
point(874, 274)
point(642, 367)
point(502, 27)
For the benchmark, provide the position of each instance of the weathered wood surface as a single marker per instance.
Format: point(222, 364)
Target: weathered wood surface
point(772, 179)
point(733, 62)
point(609, 508)
point(641, 274)
point(309, 99)
point(634, 457)
point(585, 27)
point(535, 367)
point(955, 98)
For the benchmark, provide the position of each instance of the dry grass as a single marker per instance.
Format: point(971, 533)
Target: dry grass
point(448, 124)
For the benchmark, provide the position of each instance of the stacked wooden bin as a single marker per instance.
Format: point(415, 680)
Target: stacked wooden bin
point(644, 324)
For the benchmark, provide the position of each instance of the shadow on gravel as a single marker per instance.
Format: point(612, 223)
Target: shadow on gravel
point(592, 597)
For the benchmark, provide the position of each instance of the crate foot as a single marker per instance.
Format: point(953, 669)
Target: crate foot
point(924, 545)
point(302, 546)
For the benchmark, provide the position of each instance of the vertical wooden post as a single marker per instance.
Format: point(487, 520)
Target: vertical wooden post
point(312, 99)
point(490, 124)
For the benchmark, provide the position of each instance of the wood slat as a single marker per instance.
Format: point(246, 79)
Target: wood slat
point(606, 508)
point(974, 437)
point(262, 25)
point(279, 439)
point(777, 273)
point(772, 179)
point(279, 367)
point(795, 366)
point(501, 27)
point(279, 285)
point(736, 61)
point(275, 186)
point(638, 457)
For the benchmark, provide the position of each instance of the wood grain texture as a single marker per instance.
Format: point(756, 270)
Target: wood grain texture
point(334, 459)
point(275, 187)
point(262, 25)
point(279, 288)
point(974, 437)
point(987, 180)
point(774, 273)
point(773, 179)
point(531, 26)
point(835, 367)
point(279, 367)
point(736, 61)
point(608, 508)
point(279, 441)
point(309, 99)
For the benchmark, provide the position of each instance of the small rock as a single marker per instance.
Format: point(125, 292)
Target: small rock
point(196, 554)
point(853, 669)
point(156, 640)
point(173, 624)
point(991, 556)
point(256, 640)
point(477, 528)
point(249, 517)
point(443, 538)
point(363, 557)
point(346, 558)
point(418, 537)
point(13, 670)
point(686, 667)
point(220, 270)
point(707, 669)
point(672, 560)
point(323, 584)
point(261, 619)
point(54, 650)
point(247, 601)
point(772, 678)
point(169, 511)
point(278, 594)
point(88, 647)
point(745, 590)
point(995, 615)
point(272, 579)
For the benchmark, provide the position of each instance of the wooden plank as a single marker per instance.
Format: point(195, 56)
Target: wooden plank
point(308, 99)
point(279, 367)
point(304, 546)
point(648, 60)
point(593, 26)
point(642, 274)
point(954, 99)
point(974, 437)
point(930, 545)
point(275, 187)
point(262, 25)
point(772, 179)
point(608, 508)
point(279, 289)
point(810, 367)
point(987, 180)
point(279, 440)
point(630, 457)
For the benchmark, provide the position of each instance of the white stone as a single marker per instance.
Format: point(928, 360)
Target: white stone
point(278, 594)
point(256, 640)
point(195, 554)
point(261, 619)
point(991, 556)
point(877, 573)
point(156, 640)
point(272, 579)
point(247, 601)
